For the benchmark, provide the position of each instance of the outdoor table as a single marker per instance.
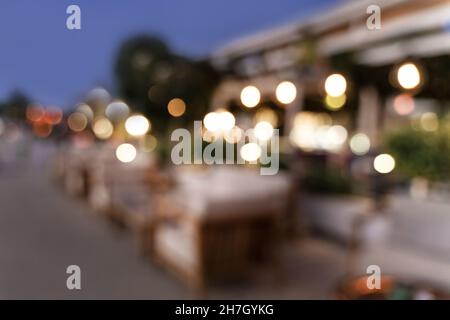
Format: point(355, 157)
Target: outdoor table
point(219, 221)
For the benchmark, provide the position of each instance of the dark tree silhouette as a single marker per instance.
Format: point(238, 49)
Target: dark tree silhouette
point(150, 75)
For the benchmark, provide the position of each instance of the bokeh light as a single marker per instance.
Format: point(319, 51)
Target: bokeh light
point(42, 129)
point(86, 110)
point(384, 163)
point(219, 121)
point(137, 125)
point(103, 128)
point(53, 115)
point(126, 153)
point(408, 76)
point(212, 121)
point(227, 121)
point(176, 107)
point(150, 143)
point(77, 121)
point(99, 95)
point(268, 115)
point(234, 135)
point(360, 144)
point(35, 113)
point(286, 92)
point(250, 96)
point(263, 131)
point(429, 121)
point(335, 103)
point(335, 85)
point(404, 104)
point(117, 110)
point(250, 152)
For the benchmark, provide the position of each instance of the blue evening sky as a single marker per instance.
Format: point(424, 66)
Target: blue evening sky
point(53, 65)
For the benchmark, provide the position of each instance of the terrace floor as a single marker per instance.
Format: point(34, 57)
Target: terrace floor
point(43, 230)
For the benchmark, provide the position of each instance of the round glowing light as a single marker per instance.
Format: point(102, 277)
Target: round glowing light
point(86, 110)
point(35, 113)
point(209, 136)
point(337, 135)
point(53, 115)
point(176, 107)
point(268, 115)
point(227, 120)
point(137, 125)
point(263, 131)
point(408, 76)
point(234, 135)
point(250, 152)
point(429, 121)
point(384, 163)
point(250, 96)
point(99, 95)
point(126, 153)
point(212, 121)
point(335, 103)
point(404, 104)
point(335, 85)
point(286, 92)
point(77, 121)
point(103, 128)
point(360, 144)
point(117, 110)
point(150, 143)
point(42, 129)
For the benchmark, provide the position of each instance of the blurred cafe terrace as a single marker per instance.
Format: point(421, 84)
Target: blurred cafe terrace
point(363, 116)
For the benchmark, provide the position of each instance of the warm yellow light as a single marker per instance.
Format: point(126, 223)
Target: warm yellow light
point(268, 115)
point(126, 153)
point(227, 120)
point(137, 125)
point(336, 85)
point(286, 92)
point(149, 143)
point(335, 103)
point(360, 144)
point(77, 121)
point(429, 121)
point(250, 152)
point(176, 107)
point(250, 96)
point(408, 76)
point(86, 110)
point(103, 128)
point(337, 135)
point(384, 163)
point(117, 110)
point(212, 121)
point(35, 113)
point(234, 135)
point(263, 131)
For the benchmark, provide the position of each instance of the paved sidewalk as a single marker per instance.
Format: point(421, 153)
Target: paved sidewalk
point(43, 230)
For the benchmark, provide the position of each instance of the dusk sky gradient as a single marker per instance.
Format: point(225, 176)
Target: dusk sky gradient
point(53, 65)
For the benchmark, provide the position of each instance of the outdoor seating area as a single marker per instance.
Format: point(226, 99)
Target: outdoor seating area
point(204, 225)
point(297, 153)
